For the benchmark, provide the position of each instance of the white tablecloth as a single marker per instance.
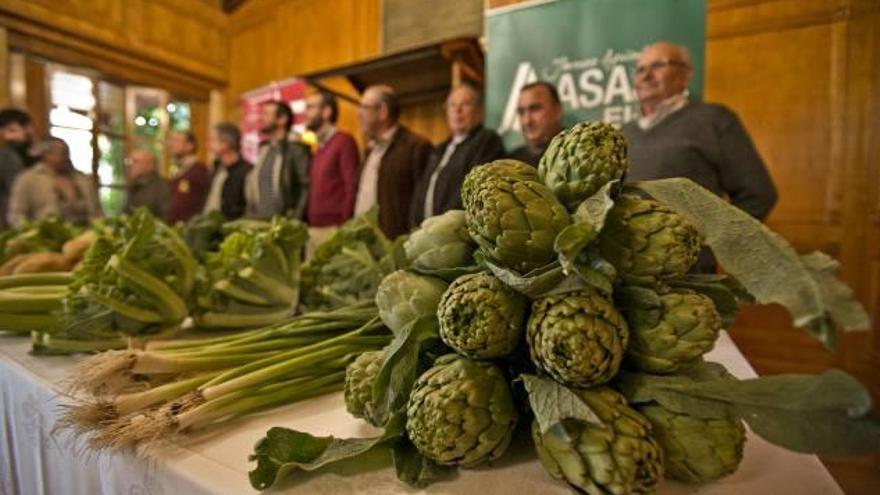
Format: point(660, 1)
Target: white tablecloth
point(33, 460)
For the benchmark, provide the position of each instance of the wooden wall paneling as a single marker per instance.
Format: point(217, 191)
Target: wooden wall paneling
point(187, 37)
point(426, 118)
point(5, 76)
point(199, 126)
point(415, 23)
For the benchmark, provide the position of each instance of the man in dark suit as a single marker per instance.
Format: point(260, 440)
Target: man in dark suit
point(395, 161)
point(470, 145)
point(226, 193)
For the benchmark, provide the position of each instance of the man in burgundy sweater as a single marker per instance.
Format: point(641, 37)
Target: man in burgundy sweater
point(334, 170)
point(189, 185)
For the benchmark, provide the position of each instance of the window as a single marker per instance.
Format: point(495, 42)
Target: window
point(70, 116)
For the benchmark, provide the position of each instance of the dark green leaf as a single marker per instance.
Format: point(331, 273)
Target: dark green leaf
point(448, 274)
point(401, 366)
point(283, 451)
point(763, 261)
point(553, 402)
point(414, 469)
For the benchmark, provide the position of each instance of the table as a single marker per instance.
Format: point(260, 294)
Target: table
point(33, 460)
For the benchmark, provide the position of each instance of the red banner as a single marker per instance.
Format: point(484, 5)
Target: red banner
point(290, 91)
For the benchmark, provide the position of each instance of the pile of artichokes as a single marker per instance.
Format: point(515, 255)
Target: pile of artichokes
point(561, 305)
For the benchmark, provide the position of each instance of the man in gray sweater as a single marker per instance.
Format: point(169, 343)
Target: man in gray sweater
point(703, 142)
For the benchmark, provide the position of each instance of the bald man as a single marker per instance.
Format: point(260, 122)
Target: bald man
point(145, 187)
point(704, 142)
point(396, 160)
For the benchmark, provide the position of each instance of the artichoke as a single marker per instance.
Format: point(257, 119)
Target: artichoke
point(582, 159)
point(578, 338)
point(674, 333)
point(619, 456)
point(480, 317)
point(440, 242)
point(359, 378)
point(696, 450)
point(403, 297)
point(647, 241)
point(512, 217)
point(461, 412)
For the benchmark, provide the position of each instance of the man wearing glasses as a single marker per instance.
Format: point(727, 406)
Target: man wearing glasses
point(703, 142)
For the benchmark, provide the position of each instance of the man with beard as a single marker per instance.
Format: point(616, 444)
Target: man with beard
point(17, 133)
point(334, 169)
point(540, 118)
point(279, 183)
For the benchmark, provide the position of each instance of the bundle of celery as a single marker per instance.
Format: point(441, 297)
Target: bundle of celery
point(252, 278)
point(27, 301)
point(134, 281)
point(144, 398)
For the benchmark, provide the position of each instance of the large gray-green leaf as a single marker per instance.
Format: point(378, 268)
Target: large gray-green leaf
point(552, 402)
point(551, 279)
point(283, 451)
point(763, 261)
point(821, 414)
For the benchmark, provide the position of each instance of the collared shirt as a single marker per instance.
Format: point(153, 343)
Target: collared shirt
point(369, 183)
point(666, 108)
point(432, 184)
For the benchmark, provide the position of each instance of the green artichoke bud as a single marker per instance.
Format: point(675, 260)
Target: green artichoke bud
point(359, 378)
point(679, 331)
point(403, 297)
point(582, 159)
point(461, 412)
point(646, 240)
point(512, 217)
point(480, 317)
point(441, 242)
point(578, 338)
point(696, 450)
point(620, 456)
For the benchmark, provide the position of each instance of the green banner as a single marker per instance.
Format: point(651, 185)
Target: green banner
point(588, 49)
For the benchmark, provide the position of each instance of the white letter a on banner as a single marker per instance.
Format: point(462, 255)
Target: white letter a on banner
point(525, 74)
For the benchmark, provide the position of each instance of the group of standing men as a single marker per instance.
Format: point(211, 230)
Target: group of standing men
point(401, 172)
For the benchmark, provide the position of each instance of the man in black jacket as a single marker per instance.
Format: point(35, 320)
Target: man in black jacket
point(279, 183)
point(470, 145)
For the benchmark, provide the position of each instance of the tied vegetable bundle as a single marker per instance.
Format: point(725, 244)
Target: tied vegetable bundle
point(252, 277)
point(134, 281)
point(559, 306)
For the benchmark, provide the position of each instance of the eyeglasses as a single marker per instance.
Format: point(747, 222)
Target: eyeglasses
point(368, 106)
point(641, 70)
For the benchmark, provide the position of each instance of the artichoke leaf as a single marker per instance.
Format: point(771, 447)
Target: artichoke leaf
point(553, 402)
point(283, 451)
point(448, 274)
point(550, 279)
point(400, 367)
point(587, 222)
point(818, 414)
point(765, 263)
